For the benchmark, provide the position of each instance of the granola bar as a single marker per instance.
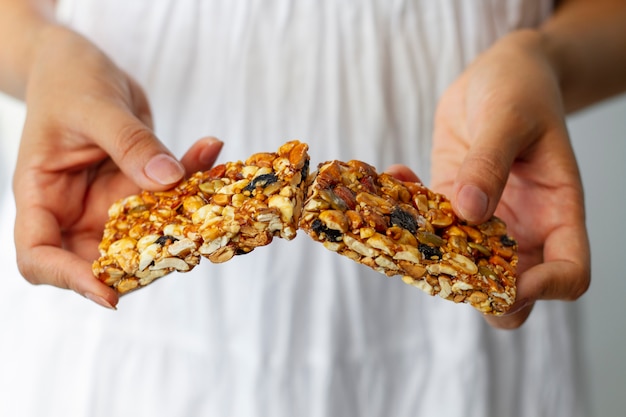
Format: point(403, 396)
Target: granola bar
point(405, 229)
point(395, 227)
point(229, 210)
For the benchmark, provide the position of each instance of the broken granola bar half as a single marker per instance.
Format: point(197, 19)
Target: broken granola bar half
point(402, 228)
point(226, 211)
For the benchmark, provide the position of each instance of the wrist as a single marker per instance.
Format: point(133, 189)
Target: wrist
point(584, 42)
point(545, 53)
point(22, 32)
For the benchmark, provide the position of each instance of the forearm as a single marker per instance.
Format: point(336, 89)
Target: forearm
point(22, 24)
point(586, 43)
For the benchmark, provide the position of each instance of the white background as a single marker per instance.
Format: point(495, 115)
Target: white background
point(599, 137)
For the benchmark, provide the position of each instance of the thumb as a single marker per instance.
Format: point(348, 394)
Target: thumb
point(136, 150)
point(483, 174)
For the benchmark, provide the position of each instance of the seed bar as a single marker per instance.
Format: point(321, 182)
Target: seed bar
point(229, 210)
point(402, 228)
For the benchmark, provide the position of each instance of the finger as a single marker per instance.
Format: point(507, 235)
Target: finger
point(41, 260)
point(403, 173)
point(513, 320)
point(495, 142)
point(559, 280)
point(481, 179)
point(136, 150)
point(140, 102)
point(202, 155)
point(64, 270)
point(565, 275)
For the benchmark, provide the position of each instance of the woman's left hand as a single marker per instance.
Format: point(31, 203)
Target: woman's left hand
point(501, 145)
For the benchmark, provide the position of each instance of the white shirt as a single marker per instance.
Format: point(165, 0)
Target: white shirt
point(291, 329)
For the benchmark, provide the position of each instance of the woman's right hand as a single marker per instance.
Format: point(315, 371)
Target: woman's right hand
point(87, 141)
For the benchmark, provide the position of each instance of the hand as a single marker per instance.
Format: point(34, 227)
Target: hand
point(87, 141)
point(501, 144)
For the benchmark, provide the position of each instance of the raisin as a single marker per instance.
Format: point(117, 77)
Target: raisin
point(262, 180)
point(403, 219)
point(429, 252)
point(320, 228)
point(164, 240)
point(304, 172)
point(507, 241)
point(242, 251)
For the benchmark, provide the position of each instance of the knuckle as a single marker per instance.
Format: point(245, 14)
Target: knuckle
point(27, 269)
point(131, 139)
point(37, 272)
point(493, 166)
point(579, 288)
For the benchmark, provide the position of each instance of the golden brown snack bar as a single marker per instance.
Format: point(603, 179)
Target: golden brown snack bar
point(229, 210)
point(402, 228)
point(395, 227)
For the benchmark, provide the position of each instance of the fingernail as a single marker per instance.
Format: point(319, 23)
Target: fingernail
point(472, 203)
point(164, 169)
point(99, 300)
point(207, 156)
point(518, 306)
